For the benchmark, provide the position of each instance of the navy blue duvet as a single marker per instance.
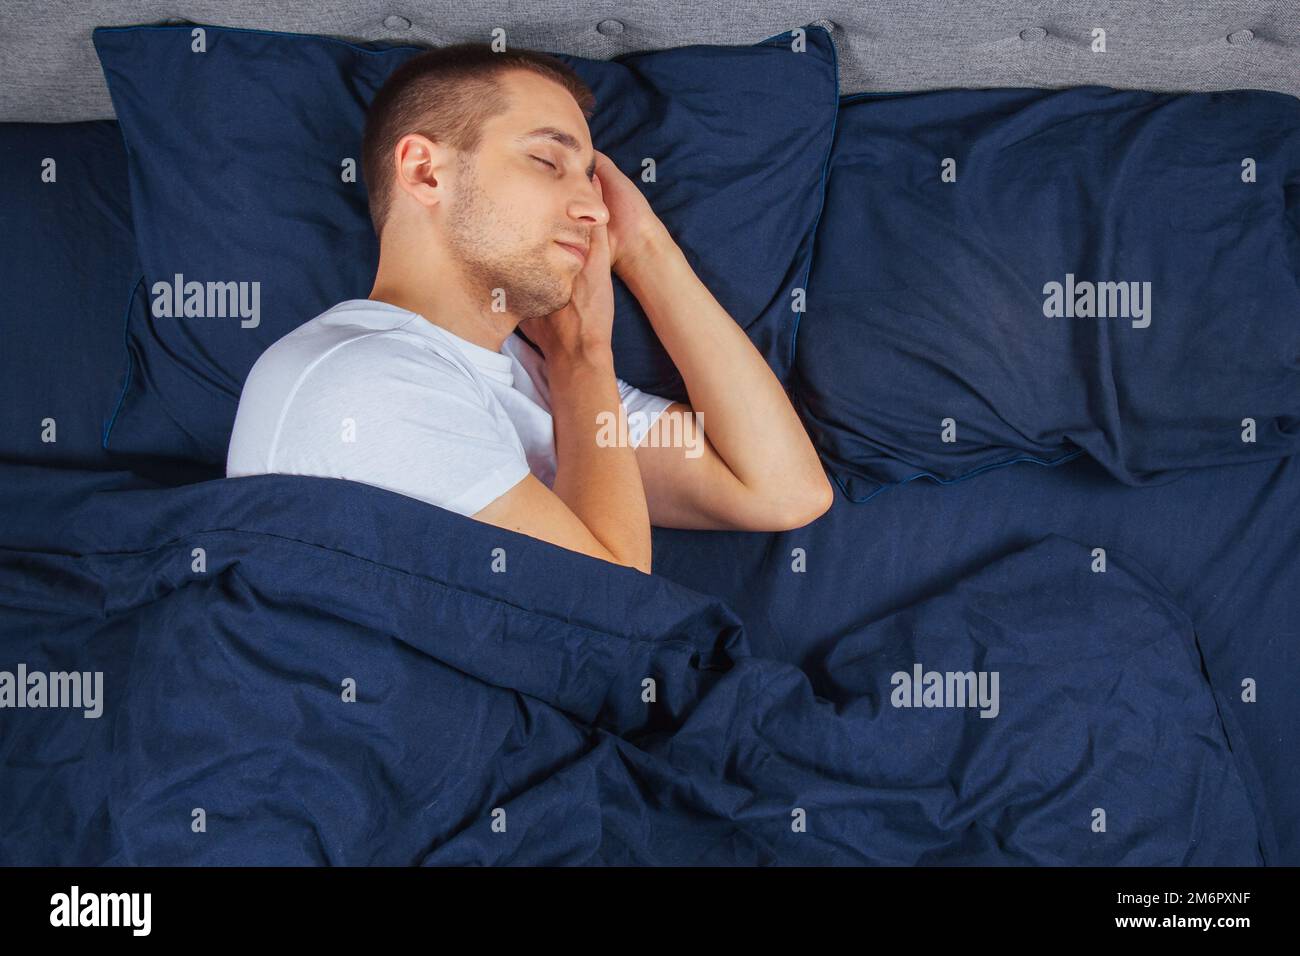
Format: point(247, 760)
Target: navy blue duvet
point(520, 697)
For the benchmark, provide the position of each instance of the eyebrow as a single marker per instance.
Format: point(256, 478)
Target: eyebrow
point(560, 136)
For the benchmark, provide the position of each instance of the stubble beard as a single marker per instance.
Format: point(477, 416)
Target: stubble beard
point(481, 241)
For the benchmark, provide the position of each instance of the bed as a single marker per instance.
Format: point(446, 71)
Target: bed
point(1031, 277)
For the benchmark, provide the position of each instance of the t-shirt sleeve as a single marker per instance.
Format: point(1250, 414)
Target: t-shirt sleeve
point(642, 410)
point(411, 423)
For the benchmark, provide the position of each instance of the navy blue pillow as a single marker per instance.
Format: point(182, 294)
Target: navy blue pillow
point(68, 268)
point(237, 156)
point(957, 308)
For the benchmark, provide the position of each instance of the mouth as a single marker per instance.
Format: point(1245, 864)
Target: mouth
point(577, 251)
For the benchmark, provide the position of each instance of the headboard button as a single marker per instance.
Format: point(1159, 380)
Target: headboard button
point(394, 22)
point(1032, 33)
point(609, 28)
point(1241, 36)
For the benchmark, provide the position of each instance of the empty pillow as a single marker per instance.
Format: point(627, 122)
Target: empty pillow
point(68, 267)
point(1022, 275)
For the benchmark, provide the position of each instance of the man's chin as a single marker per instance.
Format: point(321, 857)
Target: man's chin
point(548, 307)
point(563, 295)
point(545, 294)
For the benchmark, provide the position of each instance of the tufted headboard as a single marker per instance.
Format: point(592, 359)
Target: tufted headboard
point(49, 72)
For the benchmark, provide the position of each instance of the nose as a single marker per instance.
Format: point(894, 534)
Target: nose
point(589, 208)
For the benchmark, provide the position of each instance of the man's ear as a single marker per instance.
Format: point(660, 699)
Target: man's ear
point(420, 168)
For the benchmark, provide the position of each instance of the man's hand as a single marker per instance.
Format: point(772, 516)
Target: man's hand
point(759, 470)
point(585, 326)
point(632, 223)
point(597, 503)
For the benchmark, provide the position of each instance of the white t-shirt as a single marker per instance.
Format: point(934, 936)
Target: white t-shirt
point(378, 394)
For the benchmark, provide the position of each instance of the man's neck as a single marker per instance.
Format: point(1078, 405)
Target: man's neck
point(451, 309)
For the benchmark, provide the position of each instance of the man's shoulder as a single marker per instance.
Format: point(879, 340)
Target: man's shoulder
point(350, 351)
point(414, 410)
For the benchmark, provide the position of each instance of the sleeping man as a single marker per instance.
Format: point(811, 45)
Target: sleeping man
point(495, 214)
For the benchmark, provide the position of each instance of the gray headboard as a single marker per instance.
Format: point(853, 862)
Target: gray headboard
point(49, 72)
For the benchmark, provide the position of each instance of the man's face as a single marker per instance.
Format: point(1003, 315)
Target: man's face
point(522, 194)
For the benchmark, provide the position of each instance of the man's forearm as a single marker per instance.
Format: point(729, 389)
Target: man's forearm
point(599, 481)
point(744, 408)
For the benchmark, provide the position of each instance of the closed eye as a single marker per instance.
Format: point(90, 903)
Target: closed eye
point(545, 162)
